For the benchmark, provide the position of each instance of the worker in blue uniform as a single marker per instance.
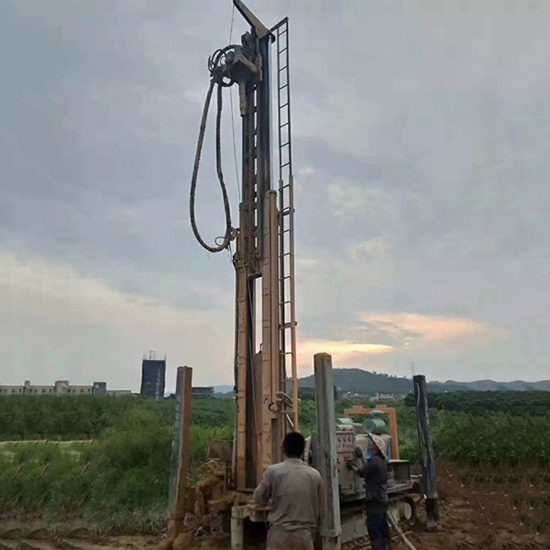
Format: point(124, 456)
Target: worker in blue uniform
point(375, 473)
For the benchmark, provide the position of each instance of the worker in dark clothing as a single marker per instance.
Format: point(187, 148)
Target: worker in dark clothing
point(375, 473)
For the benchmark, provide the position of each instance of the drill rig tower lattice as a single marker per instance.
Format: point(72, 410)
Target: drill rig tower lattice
point(265, 359)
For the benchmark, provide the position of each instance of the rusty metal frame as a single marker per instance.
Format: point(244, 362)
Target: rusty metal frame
point(392, 415)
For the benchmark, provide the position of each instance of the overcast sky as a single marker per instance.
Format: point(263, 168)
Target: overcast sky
point(422, 154)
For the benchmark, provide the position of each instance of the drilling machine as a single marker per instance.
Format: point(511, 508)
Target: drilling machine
point(266, 383)
point(350, 435)
point(264, 364)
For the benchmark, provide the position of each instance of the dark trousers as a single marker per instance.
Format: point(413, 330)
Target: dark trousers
point(377, 525)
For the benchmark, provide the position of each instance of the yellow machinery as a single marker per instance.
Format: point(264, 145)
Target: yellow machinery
point(348, 436)
point(265, 360)
point(391, 413)
point(265, 371)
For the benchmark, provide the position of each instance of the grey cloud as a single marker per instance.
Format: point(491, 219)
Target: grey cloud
point(427, 131)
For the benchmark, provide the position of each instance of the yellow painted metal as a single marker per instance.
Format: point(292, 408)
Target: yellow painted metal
point(293, 309)
point(271, 422)
point(391, 413)
point(242, 354)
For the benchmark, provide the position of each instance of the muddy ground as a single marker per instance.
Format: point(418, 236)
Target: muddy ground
point(495, 514)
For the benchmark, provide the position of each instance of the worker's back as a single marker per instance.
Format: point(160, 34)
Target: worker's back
point(296, 490)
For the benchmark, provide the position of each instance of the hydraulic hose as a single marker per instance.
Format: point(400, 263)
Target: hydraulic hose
point(228, 235)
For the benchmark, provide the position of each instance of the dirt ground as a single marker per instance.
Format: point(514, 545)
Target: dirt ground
point(485, 515)
point(499, 514)
point(118, 543)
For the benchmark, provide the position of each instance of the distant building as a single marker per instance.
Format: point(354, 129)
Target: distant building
point(153, 377)
point(203, 391)
point(60, 387)
point(116, 393)
point(80, 390)
point(12, 390)
point(30, 389)
point(99, 388)
point(384, 396)
point(353, 395)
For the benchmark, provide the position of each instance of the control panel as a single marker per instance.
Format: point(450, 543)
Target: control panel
point(346, 441)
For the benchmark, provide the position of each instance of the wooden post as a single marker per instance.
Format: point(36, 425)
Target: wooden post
point(180, 452)
point(326, 443)
point(429, 479)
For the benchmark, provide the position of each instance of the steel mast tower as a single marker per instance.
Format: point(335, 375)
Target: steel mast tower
point(266, 381)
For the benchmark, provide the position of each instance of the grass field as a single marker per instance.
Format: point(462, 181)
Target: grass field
point(106, 460)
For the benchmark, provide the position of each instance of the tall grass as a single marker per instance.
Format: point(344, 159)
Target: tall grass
point(119, 480)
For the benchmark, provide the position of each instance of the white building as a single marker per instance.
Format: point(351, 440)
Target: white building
point(11, 390)
point(384, 396)
point(61, 387)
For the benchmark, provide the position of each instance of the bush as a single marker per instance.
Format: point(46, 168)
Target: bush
point(495, 438)
point(121, 480)
point(536, 403)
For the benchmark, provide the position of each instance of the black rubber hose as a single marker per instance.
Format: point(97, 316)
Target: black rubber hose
point(227, 210)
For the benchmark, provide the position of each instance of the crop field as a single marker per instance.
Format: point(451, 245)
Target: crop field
point(99, 466)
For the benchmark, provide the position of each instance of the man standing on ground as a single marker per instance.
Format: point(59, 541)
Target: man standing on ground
point(375, 473)
point(296, 492)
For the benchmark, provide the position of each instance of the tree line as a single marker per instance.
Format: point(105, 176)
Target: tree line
point(532, 403)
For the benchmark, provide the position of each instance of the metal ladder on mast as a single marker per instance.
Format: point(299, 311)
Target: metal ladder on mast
point(287, 305)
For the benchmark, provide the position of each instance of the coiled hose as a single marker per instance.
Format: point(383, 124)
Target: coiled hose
point(215, 65)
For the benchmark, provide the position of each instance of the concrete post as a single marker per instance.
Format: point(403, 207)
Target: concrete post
point(237, 530)
point(429, 479)
point(180, 452)
point(326, 442)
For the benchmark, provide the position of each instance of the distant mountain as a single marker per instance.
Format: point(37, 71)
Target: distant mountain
point(369, 383)
point(364, 382)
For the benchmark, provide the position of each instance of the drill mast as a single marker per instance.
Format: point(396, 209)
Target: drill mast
point(265, 363)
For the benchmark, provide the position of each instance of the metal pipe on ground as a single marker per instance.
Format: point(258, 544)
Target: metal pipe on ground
point(398, 530)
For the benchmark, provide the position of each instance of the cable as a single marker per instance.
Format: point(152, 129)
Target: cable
point(398, 530)
point(216, 64)
point(228, 227)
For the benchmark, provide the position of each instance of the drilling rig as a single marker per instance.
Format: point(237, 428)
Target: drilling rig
point(266, 385)
point(265, 371)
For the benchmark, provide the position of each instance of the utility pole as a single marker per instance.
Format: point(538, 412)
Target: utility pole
point(328, 467)
point(429, 478)
point(180, 452)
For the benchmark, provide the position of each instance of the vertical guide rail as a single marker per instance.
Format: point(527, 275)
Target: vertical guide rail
point(272, 428)
point(180, 452)
point(287, 303)
point(244, 470)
